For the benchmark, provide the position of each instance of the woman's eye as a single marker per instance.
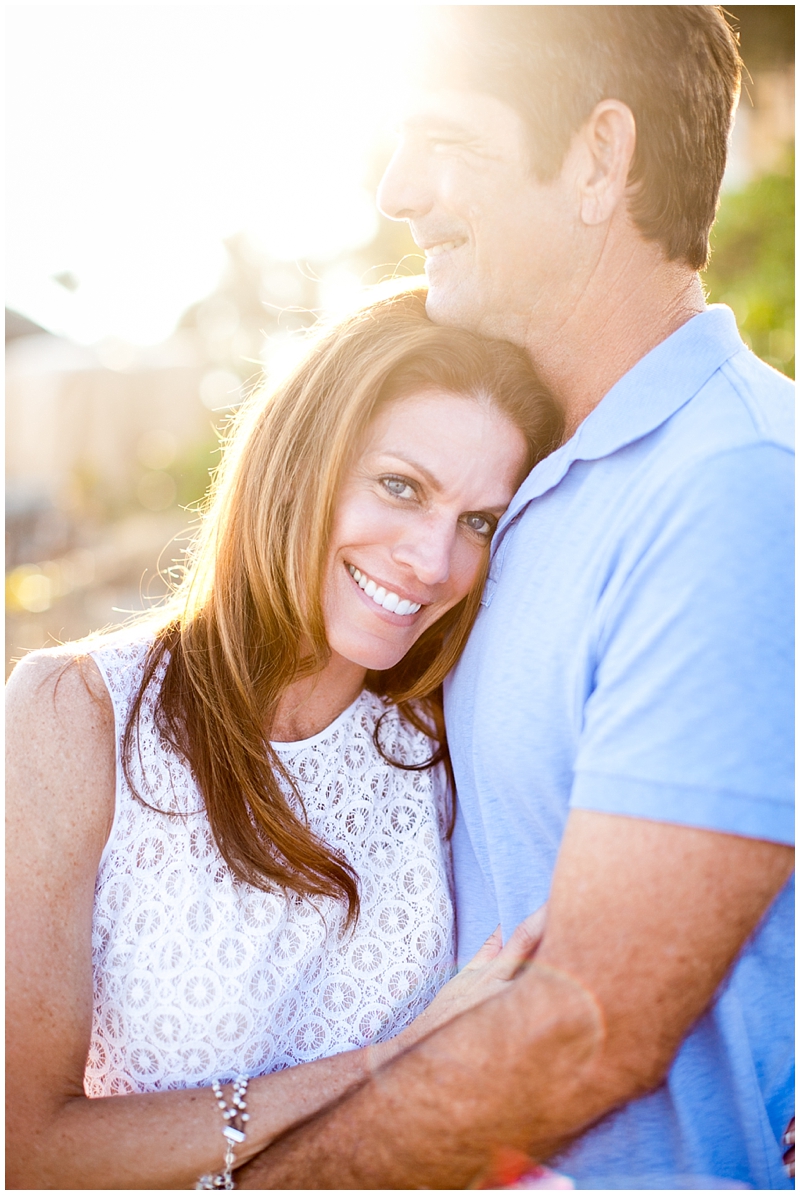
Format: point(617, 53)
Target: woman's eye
point(398, 487)
point(481, 524)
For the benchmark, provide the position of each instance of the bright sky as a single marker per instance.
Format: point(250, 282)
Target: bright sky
point(140, 135)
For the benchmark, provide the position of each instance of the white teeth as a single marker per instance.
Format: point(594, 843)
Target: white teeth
point(444, 247)
point(389, 601)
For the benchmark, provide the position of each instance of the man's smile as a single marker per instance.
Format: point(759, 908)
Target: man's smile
point(442, 247)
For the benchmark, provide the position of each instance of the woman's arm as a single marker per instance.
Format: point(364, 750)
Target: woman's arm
point(60, 801)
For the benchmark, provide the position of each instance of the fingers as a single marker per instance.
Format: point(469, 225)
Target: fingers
point(490, 949)
point(506, 960)
point(530, 931)
point(521, 945)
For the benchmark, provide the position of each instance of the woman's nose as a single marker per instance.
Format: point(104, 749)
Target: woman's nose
point(429, 553)
point(403, 193)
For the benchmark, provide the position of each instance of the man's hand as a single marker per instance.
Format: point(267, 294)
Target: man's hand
point(643, 922)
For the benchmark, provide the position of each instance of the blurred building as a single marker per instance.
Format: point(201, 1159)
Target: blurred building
point(110, 448)
point(97, 442)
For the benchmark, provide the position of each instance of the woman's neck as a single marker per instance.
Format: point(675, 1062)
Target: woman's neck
point(311, 703)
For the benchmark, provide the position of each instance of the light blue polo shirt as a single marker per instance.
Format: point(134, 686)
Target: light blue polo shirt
point(633, 655)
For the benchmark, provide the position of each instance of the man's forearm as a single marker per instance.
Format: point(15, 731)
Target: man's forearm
point(514, 1073)
point(646, 917)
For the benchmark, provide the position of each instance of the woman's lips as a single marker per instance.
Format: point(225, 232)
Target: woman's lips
point(382, 597)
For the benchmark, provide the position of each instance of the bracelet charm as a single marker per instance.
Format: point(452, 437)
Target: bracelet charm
point(234, 1132)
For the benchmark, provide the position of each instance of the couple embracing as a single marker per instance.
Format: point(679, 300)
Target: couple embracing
point(488, 623)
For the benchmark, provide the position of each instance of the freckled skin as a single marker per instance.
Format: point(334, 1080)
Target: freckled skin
point(644, 918)
point(416, 512)
point(60, 798)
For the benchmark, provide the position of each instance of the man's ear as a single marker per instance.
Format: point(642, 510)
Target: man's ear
point(608, 140)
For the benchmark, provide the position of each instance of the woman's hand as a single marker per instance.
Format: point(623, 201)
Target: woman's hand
point(484, 976)
point(60, 788)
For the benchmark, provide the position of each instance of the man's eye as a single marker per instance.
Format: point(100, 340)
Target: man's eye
point(481, 524)
point(398, 487)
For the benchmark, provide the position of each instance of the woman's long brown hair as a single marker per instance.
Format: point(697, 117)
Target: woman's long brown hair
point(247, 619)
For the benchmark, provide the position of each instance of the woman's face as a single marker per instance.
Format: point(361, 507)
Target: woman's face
point(413, 521)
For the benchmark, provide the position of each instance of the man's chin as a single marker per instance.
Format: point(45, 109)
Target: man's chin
point(445, 306)
point(455, 308)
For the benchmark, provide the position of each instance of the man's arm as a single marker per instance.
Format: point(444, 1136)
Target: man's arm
point(644, 920)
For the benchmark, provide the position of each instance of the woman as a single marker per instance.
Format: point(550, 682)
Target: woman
point(226, 852)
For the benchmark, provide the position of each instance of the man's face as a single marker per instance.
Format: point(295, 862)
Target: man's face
point(497, 243)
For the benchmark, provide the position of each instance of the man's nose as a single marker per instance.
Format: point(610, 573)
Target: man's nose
point(429, 552)
point(404, 193)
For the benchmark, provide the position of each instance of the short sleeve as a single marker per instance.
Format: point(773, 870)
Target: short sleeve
point(690, 718)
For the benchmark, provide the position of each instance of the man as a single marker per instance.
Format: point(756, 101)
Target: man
point(620, 723)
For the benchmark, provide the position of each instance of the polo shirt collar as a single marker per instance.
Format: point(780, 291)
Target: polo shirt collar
point(644, 398)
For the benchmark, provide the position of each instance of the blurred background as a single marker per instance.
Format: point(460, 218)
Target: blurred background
point(189, 188)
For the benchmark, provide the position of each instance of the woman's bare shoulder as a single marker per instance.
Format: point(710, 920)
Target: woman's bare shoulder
point(60, 739)
point(64, 680)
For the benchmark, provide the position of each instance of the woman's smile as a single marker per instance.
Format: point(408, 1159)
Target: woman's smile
point(354, 507)
point(383, 596)
point(414, 519)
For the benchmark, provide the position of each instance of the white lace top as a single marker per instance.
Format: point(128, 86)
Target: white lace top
point(198, 976)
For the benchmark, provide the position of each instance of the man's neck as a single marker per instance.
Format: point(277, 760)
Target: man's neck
point(610, 327)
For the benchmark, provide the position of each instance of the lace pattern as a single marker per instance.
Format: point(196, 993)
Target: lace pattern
point(198, 976)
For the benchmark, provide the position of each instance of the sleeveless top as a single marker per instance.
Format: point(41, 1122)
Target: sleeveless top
point(199, 976)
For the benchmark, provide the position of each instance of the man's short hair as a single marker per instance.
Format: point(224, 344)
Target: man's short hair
point(677, 67)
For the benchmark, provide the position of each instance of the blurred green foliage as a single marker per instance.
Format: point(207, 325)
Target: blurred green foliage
point(752, 264)
point(192, 473)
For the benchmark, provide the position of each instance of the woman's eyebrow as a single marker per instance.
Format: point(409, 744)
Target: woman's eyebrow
point(431, 478)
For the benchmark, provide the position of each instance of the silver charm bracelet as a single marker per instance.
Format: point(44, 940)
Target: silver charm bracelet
point(233, 1131)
